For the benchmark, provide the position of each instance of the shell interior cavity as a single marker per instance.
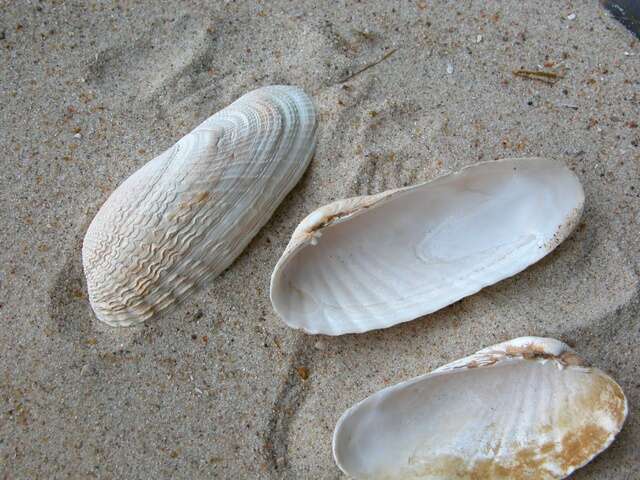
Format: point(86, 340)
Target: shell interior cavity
point(527, 409)
point(371, 262)
point(188, 213)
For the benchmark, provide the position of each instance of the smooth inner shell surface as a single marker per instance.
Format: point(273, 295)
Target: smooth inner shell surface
point(372, 262)
point(527, 411)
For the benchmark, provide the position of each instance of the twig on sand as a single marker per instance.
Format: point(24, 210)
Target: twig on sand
point(542, 76)
point(367, 67)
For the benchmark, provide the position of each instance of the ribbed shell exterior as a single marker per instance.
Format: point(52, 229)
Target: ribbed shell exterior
point(527, 409)
point(187, 214)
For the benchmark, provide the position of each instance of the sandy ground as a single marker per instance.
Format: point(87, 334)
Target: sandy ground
point(90, 91)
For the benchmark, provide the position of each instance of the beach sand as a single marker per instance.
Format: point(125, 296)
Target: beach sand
point(90, 91)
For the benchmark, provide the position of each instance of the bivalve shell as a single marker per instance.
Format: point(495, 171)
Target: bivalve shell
point(371, 262)
point(187, 214)
point(527, 409)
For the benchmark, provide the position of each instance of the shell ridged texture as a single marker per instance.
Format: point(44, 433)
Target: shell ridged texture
point(188, 213)
point(372, 262)
point(528, 409)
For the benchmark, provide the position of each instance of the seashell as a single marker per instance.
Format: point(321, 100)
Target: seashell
point(187, 214)
point(526, 409)
point(371, 262)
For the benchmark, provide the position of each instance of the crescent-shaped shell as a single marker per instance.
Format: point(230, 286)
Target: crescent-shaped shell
point(527, 409)
point(371, 262)
point(187, 214)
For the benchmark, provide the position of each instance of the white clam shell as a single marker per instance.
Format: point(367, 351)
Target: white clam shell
point(188, 213)
point(372, 262)
point(527, 409)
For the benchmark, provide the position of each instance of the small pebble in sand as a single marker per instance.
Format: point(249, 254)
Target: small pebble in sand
point(303, 372)
point(449, 68)
point(77, 135)
point(478, 38)
point(571, 16)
